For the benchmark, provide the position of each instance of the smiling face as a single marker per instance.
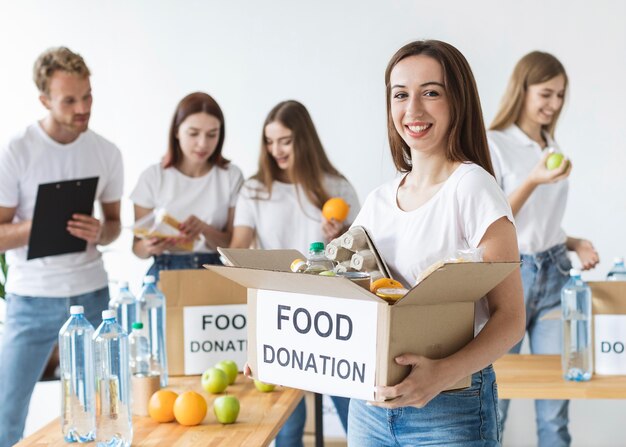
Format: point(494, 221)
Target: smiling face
point(198, 136)
point(419, 105)
point(69, 101)
point(278, 141)
point(543, 101)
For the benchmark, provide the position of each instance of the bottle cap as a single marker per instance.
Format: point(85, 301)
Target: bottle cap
point(316, 246)
point(149, 279)
point(138, 325)
point(123, 284)
point(77, 310)
point(574, 272)
point(108, 314)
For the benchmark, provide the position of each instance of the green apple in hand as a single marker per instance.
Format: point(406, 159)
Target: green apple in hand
point(214, 380)
point(230, 368)
point(226, 409)
point(263, 387)
point(554, 160)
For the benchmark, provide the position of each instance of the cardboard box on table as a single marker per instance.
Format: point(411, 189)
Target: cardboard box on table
point(206, 318)
point(328, 335)
point(609, 326)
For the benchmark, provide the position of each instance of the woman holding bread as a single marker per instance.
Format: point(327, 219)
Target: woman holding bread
point(527, 167)
point(280, 207)
point(446, 200)
point(195, 185)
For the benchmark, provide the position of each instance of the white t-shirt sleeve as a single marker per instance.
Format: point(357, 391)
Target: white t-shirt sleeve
point(236, 180)
point(113, 190)
point(145, 192)
point(9, 182)
point(481, 202)
point(244, 210)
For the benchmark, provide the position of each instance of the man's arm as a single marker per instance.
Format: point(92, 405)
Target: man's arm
point(92, 230)
point(12, 235)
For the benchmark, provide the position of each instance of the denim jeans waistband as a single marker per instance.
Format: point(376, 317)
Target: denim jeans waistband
point(551, 253)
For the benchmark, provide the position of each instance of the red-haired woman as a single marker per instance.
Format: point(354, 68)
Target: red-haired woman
point(195, 184)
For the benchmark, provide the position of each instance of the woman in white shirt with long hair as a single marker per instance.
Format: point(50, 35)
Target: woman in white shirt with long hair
point(521, 139)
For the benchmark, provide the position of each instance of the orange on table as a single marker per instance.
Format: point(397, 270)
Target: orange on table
point(386, 283)
point(161, 405)
point(336, 208)
point(190, 408)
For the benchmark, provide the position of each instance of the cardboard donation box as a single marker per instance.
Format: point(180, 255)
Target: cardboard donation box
point(206, 319)
point(609, 322)
point(328, 335)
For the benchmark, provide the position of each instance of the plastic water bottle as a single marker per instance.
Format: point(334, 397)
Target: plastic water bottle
point(152, 315)
point(139, 351)
point(576, 358)
point(113, 397)
point(618, 271)
point(78, 416)
point(317, 261)
point(125, 306)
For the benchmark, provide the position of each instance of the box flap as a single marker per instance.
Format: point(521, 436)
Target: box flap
point(608, 297)
point(278, 260)
point(458, 282)
point(294, 282)
point(199, 288)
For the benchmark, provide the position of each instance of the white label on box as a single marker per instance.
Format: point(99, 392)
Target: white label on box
point(214, 333)
point(610, 341)
point(317, 343)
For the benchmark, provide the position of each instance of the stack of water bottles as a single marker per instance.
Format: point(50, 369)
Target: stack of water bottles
point(96, 366)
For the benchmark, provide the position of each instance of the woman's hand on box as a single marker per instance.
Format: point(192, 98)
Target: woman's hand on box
point(425, 381)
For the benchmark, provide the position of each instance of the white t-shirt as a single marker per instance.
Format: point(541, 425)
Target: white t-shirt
point(455, 218)
point(288, 219)
point(208, 197)
point(32, 158)
point(514, 154)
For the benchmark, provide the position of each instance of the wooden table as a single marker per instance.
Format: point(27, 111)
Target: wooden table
point(540, 377)
point(260, 418)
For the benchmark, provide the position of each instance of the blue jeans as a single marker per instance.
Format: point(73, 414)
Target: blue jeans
point(291, 433)
point(543, 276)
point(462, 418)
point(31, 330)
point(192, 261)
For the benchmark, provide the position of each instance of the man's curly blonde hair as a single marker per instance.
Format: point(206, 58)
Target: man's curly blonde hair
point(58, 58)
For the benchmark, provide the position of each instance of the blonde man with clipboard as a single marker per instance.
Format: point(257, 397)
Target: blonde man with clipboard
point(40, 290)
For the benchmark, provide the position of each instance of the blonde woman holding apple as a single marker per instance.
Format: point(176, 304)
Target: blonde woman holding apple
point(533, 173)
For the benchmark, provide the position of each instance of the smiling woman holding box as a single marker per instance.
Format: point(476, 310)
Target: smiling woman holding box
point(446, 200)
point(195, 184)
point(521, 140)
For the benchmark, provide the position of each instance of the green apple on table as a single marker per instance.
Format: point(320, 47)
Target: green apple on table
point(226, 409)
point(214, 380)
point(263, 387)
point(230, 368)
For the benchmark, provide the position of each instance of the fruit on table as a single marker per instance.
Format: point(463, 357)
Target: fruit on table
point(298, 265)
point(386, 283)
point(230, 368)
point(161, 405)
point(328, 273)
point(214, 380)
point(554, 160)
point(226, 409)
point(190, 408)
point(263, 387)
point(336, 208)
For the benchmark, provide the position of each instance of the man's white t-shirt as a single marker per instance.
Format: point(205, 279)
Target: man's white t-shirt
point(455, 218)
point(208, 197)
point(32, 158)
point(514, 155)
point(288, 219)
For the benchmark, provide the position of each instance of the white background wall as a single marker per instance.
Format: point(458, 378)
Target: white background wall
point(331, 55)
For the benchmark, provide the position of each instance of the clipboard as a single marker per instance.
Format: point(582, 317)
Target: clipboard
point(55, 204)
